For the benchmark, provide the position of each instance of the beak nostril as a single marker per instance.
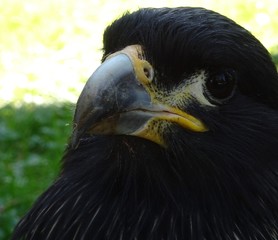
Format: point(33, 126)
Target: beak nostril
point(148, 71)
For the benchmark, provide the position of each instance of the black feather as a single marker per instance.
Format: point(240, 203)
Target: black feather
point(221, 184)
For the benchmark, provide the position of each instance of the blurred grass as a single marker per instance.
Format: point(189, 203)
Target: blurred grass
point(32, 140)
point(48, 49)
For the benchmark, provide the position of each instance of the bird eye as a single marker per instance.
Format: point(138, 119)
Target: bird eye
point(220, 86)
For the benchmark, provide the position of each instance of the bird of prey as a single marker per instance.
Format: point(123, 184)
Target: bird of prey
point(175, 137)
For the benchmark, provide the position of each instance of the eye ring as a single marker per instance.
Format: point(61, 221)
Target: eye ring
point(220, 86)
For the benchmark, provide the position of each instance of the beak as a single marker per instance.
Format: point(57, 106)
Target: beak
point(118, 100)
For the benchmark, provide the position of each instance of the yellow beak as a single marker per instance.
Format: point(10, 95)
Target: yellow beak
point(119, 99)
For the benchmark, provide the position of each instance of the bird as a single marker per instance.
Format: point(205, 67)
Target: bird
point(174, 136)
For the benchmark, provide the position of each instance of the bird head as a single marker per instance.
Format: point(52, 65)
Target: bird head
point(188, 83)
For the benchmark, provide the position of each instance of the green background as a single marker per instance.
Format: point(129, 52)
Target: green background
point(48, 50)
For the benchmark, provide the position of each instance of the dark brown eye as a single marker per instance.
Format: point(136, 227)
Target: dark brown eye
point(220, 86)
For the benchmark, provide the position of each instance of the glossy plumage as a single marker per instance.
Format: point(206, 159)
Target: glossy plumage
point(219, 184)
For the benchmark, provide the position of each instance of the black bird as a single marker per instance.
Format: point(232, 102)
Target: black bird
point(175, 137)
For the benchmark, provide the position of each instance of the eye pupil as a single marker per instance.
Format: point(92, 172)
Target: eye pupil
point(220, 86)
